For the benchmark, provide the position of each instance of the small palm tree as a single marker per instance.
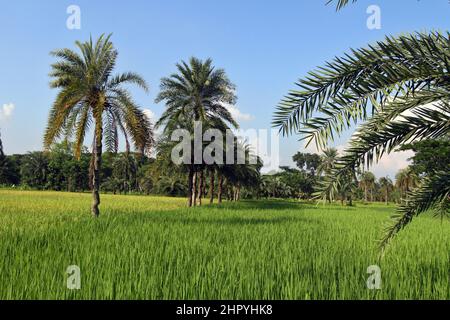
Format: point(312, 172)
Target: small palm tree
point(88, 95)
point(386, 187)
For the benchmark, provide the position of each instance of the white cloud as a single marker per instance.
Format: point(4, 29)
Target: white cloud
point(237, 114)
point(390, 164)
point(6, 111)
point(150, 115)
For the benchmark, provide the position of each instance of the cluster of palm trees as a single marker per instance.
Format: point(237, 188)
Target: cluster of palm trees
point(200, 92)
point(90, 95)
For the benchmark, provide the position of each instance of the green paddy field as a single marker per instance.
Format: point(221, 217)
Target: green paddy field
point(155, 248)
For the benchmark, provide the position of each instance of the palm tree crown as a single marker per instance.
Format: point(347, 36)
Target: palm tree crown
point(198, 92)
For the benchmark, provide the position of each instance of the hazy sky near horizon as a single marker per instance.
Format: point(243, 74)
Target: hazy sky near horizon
point(264, 46)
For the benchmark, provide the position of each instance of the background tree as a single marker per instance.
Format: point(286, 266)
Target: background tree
point(430, 156)
point(89, 93)
point(8, 173)
point(34, 170)
point(125, 168)
point(307, 161)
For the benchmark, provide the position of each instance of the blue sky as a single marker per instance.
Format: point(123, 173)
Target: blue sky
point(264, 46)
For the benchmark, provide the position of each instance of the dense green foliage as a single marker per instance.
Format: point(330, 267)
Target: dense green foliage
point(156, 248)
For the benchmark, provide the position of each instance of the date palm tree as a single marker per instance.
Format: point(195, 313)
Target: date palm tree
point(400, 89)
point(197, 92)
point(89, 94)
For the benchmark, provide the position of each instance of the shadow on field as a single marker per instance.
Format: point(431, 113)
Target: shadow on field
point(238, 221)
point(260, 205)
point(226, 220)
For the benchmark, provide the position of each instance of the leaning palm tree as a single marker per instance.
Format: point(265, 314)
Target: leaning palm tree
point(89, 95)
point(197, 92)
point(400, 88)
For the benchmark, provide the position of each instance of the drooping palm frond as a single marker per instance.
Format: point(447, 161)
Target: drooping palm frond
point(434, 193)
point(351, 88)
point(400, 90)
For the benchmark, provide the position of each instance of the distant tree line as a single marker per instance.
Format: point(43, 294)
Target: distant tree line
point(134, 173)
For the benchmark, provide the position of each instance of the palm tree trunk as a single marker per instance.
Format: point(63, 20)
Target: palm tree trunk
point(200, 187)
point(211, 187)
point(220, 188)
point(350, 200)
point(194, 189)
point(190, 185)
point(387, 197)
point(366, 196)
point(97, 163)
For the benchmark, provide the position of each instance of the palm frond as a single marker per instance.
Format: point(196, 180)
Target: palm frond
point(434, 193)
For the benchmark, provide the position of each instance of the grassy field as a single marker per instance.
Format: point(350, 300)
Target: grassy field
point(154, 248)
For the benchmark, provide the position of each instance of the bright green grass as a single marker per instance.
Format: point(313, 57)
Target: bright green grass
point(154, 248)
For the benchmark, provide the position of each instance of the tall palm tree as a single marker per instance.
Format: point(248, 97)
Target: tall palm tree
point(386, 187)
point(88, 95)
point(197, 92)
point(400, 88)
